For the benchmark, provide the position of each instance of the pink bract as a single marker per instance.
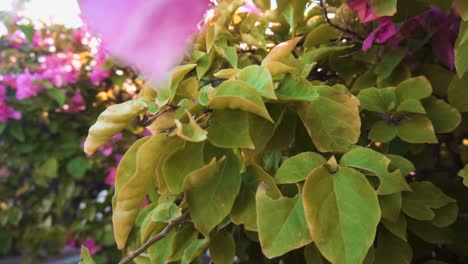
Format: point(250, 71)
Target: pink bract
point(364, 10)
point(92, 246)
point(25, 86)
point(384, 32)
point(151, 35)
point(77, 103)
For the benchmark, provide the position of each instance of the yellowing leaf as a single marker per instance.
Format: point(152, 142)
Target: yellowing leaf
point(222, 248)
point(180, 163)
point(296, 168)
point(296, 89)
point(211, 191)
point(375, 162)
point(332, 120)
point(415, 88)
point(166, 94)
point(281, 223)
point(85, 257)
point(135, 175)
point(113, 120)
point(192, 131)
point(384, 7)
point(342, 213)
point(259, 78)
point(281, 51)
point(244, 209)
point(229, 129)
point(239, 95)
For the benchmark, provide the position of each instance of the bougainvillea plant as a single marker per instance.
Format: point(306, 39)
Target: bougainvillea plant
point(54, 82)
point(299, 132)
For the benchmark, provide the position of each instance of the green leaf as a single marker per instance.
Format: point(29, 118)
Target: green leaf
point(229, 129)
point(378, 164)
point(417, 129)
point(391, 249)
point(296, 89)
point(204, 94)
point(461, 45)
point(134, 180)
point(281, 223)
point(332, 120)
point(404, 165)
point(77, 167)
point(259, 78)
point(462, 8)
point(239, 95)
point(415, 88)
point(445, 215)
point(383, 132)
point(85, 257)
point(194, 250)
point(464, 174)
point(323, 34)
point(384, 7)
point(458, 94)
point(390, 205)
point(222, 248)
point(160, 251)
point(398, 228)
point(244, 209)
point(421, 202)
point(296, 168)
point(182, 239)
point(211, 191)
point(411, 106)
point(191, 131)
point(50, 168)
point(371, 99)
point(429, 233)
point(385, 68)
point(168, 91)
point(444, 117)
point(57, 94)
point(28, 31)
point(180, 163)
point(330, 203)
point(113, 120)
point(312, 255)
point(165, 212)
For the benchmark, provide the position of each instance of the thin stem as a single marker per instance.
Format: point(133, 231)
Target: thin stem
point(353, 34)
point(181, 219)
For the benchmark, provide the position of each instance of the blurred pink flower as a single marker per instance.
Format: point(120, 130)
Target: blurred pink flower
point(17, 39)
point(60, 69)
point(386, 30)
point(151, 35)
point(25, 86)
point(364, 10)
point(98, 74)
point(37, 39)
point(4, 172)
point(91, 245)
point(9, 79)
point(110, 178)
point(70, 241)
point(77, 103)
point(6, 111)
point(107, 149)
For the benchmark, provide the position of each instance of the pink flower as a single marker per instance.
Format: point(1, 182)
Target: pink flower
point(110, 178)
point(17, 39)
point(6, 111)
point(70, 241)
point(9, 79)
point(364, 10)
point(25, 86)
point(386, 30)
point(37, 39)
point(108, 148)
point(77, 103)
point(60, 69)
point(98, 75)
point(91, 245)
point(151, 35)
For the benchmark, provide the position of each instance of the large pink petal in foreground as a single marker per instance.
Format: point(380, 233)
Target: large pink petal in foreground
point(149, 34)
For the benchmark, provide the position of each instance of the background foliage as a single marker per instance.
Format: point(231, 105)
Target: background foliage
point(54, 83)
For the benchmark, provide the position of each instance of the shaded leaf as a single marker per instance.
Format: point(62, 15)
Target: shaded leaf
point(229, 129)
point(222, 248)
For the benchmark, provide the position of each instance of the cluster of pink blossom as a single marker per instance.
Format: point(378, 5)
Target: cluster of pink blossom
point(6, 111)
point(89, 243)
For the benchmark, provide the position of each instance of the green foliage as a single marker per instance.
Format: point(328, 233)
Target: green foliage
point(243, 132)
